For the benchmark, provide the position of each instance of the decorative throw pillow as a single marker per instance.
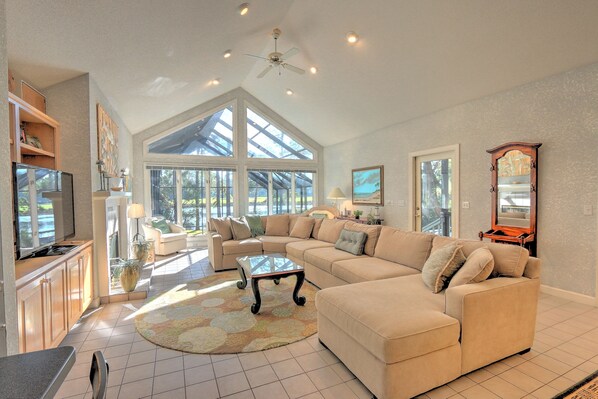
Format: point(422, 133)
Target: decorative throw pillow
point(240, 228)
point(161, 225)
point(441, 266)
point(303, 227)
point(477, 268)
point(316, 230)
point(277, 225)
point(222, 226)
point(255, 225)
point(351, 241)
point(372, 235)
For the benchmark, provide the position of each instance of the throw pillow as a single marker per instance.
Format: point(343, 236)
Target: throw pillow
point(303, 227)
point(277, 225)
point(372, 233)
point(222, 226)
point(161, 225)
point(441, 266)
point(255, 225)
point(351, 241)
point(316, 229)
point(240, 228)
point(477, 268)
point(330, 230)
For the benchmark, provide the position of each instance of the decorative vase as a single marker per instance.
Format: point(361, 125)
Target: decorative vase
point(129, 276)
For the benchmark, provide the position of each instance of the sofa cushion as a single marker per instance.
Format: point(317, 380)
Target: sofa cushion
point(171, 237)
point(302, 228)
point(330, 230)
point(255, 225)
point(323, 258)
point(277, 225)
point(477, 268)
point(373, 233)
point(276, 244)
point(411, 321)
point(298, 248)
point(366, 268)
point(234, 247)
point(351, 241)
point(293, 218)
point(317, 224)
point(408, 248)
point(509, 260)
point(240, 228)
point(222, 226)
point(441, 266)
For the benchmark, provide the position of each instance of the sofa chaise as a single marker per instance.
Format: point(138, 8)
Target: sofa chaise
point(376, 314)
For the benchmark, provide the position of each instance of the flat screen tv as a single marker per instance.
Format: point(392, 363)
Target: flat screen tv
point(44, 209)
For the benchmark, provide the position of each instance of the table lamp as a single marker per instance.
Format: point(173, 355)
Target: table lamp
point(336, 194)
point(137, 212)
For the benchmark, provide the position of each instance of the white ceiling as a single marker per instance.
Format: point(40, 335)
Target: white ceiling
point(154, 58)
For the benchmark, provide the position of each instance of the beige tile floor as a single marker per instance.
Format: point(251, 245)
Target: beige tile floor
point(565, 351)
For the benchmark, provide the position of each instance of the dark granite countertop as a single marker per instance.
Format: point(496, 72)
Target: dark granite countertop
point(36, 374)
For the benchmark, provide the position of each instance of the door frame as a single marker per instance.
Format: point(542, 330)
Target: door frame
point(454, 148)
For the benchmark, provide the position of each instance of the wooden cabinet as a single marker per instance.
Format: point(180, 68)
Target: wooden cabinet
point(52, 294)
point(41, 311)
point(514, 191)
point(34, 136)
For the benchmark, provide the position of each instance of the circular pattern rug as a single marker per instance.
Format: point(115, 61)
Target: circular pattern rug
point(212, 315)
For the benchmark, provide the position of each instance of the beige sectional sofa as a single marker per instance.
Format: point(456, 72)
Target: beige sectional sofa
point(379, 318)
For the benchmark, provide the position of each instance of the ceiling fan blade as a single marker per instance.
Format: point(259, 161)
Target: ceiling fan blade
point(290, 53)
point(293, 69)
point(256, 56)
point(264, 72)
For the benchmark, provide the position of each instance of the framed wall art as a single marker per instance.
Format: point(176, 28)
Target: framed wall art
point(107, 142)
point(368, 186)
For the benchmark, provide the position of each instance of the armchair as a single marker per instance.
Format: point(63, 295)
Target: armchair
point(166, 243)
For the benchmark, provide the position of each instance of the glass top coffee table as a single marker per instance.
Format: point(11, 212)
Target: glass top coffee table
point(271, 267)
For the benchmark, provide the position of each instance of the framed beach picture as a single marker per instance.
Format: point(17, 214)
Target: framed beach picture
point(368, 186)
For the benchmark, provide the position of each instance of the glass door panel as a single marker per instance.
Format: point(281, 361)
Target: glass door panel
point(257, 193)
point(281, 192)
point(194, 212)
point(163, 193)
point(304, 191)
point(221, 193)
point(433, 211)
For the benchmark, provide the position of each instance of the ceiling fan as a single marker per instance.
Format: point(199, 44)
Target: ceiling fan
point(278, 60)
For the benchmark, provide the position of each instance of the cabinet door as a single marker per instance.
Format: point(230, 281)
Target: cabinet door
point(55, 301)
point(74, 304)
point(87, 268)
point(30, 311)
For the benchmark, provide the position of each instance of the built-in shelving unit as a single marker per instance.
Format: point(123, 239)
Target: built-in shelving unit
point(26, 124)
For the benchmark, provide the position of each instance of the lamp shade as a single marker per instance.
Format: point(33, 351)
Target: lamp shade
point(336, 193)
point(136, 211)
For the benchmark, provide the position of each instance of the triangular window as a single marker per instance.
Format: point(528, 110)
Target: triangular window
point(264, 140)
point(210, 136)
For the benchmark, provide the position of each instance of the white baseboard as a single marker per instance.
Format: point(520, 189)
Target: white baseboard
point(569, 295)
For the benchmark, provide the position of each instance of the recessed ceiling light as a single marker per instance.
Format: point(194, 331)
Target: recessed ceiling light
point(352, 37)
point(215, 82)
point(228, 53)
point(244, 8)
point(313, 70)
point(289, 92)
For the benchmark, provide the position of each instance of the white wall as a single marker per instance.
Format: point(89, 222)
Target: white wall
point(9, 343)
point(561, 112)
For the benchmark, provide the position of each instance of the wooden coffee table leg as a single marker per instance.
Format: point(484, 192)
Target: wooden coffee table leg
point(242, 284)
point(256, 292)
point(299, 300)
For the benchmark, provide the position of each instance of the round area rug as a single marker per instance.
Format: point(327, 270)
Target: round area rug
point(212, 315)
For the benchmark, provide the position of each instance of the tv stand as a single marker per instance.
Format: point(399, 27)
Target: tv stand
point(54, 250)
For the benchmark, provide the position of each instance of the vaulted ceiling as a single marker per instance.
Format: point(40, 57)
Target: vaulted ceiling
point(155, 58)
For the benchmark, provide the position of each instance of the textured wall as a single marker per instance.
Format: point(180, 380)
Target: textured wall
point(9, 343)
point(559, 112)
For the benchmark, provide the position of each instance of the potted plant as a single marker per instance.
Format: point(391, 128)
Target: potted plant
point(140, 251)
point(129, 275)
point(357, 213)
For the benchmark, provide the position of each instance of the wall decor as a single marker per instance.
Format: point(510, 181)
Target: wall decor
point(107, 142)
point(368, 186)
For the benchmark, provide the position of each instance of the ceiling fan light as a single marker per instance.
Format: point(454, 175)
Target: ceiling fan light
point(289, 92)
point(215, 82)
point(313, 70)
point(352, 37)
point(244, 8)
point(227, 53)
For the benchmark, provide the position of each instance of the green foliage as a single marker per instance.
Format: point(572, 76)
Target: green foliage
point(357, 212)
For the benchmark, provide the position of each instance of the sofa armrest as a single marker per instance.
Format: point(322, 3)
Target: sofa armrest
point(152, 233)
point(215, 250)
point(176, 228)
point(497, 317)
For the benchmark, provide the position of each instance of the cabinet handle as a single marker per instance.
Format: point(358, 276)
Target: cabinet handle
point(492, 189)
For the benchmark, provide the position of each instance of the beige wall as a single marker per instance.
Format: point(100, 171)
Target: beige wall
point(561, 112)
